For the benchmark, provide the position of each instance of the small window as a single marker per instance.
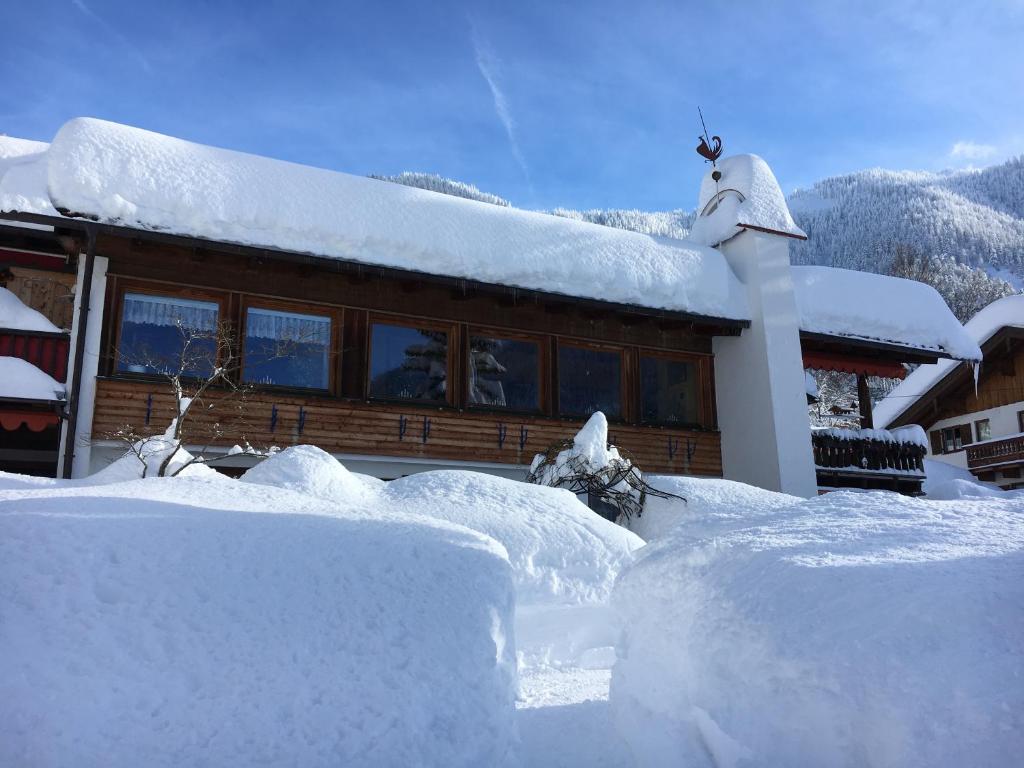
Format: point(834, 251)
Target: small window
point(982, 430)
point(286, 349)
point(408, 363)
point(589, 380)
point(157, 331)
point(1020, 421)
point(668, 390)
point(504, 373)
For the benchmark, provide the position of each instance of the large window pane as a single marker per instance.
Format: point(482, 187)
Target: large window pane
point(668, 391)
point(504, 373)
point(408, 363)
point(156, 331)
point(589, 380)
point(287, 349)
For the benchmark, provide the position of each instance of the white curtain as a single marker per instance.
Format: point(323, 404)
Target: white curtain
point(142, 309)
point(288, 326)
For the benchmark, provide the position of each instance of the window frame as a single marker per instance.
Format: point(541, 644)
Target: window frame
point(623, 416)
point(410, 321)
point(543, 369)
point(977, 432)
point(220, 298)
point(336, 315)
point(701, 365)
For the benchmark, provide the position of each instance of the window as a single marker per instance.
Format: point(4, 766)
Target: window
point(504, 373)
point(589, 380)
point(1020, 421)
point(982, 430)
point(408, 363)
point(955, 438)
point(157, 330)
point(286, 349)
point(668, 390)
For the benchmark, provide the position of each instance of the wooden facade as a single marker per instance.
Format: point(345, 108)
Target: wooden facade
point(343, 419)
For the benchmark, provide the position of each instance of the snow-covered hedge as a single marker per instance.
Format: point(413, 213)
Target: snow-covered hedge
point(170, 622)
point(852, 629)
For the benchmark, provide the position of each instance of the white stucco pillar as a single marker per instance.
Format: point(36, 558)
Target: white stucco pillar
point(759, 375)
point(90, 366)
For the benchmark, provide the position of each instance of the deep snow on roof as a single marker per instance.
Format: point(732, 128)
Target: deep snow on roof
point(23, 177)
point(127, 176)
point(1002, 313)
point(870, 307)
point(763, 206)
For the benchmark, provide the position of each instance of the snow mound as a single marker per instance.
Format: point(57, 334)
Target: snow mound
point(958, 488)
point(128, 176)
point(561, 551)
point(850, 629)
point(861, 305)
point(312, 471)
point(16, 316)
point(726, 498)
point(1006, 312)
point(20, 379)
point(722, 213)
point(142, 627)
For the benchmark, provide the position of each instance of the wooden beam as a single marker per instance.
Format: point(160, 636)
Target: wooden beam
point(867, 419)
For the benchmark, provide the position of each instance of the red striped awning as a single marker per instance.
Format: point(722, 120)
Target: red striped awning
point(36, 421)
point(822, 361)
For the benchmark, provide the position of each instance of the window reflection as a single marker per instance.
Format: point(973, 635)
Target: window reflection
point(504, 373)
point(589, 380)
point(286, 349)
point(408, 363)
point(156, 330)
point(668, 390)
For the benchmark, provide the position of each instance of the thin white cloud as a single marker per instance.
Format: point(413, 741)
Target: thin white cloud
point(80, 5)
point(487, 63)
point(970, 150)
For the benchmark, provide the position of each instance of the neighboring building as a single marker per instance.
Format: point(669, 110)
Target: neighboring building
point(402, 329)
point(974, 418)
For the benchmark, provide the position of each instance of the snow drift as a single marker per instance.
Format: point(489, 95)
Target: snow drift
point(144, 626)
point(852, 629)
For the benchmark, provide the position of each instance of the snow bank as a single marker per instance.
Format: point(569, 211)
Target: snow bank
point(16, 316)
point(862, 305)
point(21, 379)
point(145, 624)
point(133, 177)
point(849, 629)
point(722, 214)
point(1008, 311)
point(312, 471)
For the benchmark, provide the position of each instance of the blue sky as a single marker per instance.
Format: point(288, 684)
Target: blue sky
point(547, 103)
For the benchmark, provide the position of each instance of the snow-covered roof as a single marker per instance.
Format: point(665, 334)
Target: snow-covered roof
point(870, 307)
point(1003, 313)
point(127, 176)
point(746, 196)
point(17, 317)
point(23, 177)
point(22, 380)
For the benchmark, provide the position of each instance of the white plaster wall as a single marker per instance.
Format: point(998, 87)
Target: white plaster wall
point(759, 375)
point(1002, 420)
point(80, 466)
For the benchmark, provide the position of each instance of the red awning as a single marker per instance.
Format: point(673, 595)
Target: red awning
point(859, 365)
point(36, 421)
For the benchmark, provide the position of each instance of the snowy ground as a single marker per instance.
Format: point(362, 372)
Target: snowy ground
point(190, 621)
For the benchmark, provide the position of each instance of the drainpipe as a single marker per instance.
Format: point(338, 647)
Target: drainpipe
point(76, 373)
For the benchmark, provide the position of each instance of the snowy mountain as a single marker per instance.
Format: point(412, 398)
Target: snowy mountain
point(960, 231)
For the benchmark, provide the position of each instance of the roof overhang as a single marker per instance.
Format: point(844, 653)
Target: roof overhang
point(724, 326)
point(867, 349)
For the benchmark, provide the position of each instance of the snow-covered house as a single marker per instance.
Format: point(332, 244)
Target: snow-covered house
point(424, 330)
point(974, 415)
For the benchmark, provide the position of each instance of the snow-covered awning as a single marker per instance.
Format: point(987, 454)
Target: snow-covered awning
point(876, 308)
point(20, 380)
point(1003, 313)
point(15, 316)
point(126, 176)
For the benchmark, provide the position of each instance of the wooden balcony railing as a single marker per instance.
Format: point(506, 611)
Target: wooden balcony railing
point(1009, 450)
point(868, 451)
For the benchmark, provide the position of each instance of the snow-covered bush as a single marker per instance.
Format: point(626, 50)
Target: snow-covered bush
point(179, 621)
point(852, 629)
point(312, 471)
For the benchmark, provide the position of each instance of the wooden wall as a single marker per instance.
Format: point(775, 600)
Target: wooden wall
point(51, 293)
point(1001, 382)
point(367, 429)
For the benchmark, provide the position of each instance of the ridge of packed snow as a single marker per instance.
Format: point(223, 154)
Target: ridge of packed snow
point(22, 380)
point(15, 316)
point(862, 305)
point(1008, 311)
point(763, 206)
point(137, 178)
point(911, 434)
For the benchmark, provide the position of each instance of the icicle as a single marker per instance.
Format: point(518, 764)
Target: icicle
point(976, 369)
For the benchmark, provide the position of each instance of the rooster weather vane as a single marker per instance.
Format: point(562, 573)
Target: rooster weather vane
point(709, 149)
